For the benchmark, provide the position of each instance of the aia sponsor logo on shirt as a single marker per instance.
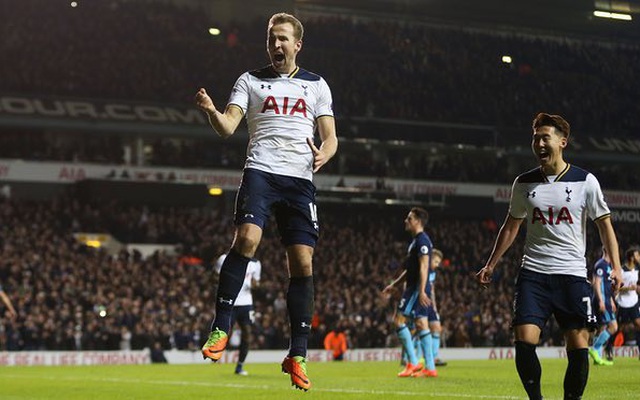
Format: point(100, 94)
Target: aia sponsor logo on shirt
point(271, 105)
point(551, 216)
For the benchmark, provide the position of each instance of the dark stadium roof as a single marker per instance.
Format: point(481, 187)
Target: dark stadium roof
point(568, 17)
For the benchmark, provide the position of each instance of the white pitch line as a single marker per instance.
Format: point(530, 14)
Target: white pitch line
point(265, 387)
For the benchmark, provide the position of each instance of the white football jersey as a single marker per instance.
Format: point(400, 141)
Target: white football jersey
point(281, 112)
point(555, 210)
point(254, 268)
point(628, 298)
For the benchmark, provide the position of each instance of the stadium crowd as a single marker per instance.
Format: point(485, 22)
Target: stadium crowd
point(164, 53)
point(406, 72)
point(434, 74)
point(71, 297)
point(437, 163)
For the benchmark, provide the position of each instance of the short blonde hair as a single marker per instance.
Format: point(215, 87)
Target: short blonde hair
point(283, 18)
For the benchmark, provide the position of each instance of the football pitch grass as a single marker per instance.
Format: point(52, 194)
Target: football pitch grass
point(493, 379)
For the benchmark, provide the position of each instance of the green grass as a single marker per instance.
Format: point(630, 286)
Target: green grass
point(495, 379)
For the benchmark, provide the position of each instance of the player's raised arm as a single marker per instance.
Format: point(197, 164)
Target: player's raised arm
point(506, 236)
point(224, 124)
point(329, 146)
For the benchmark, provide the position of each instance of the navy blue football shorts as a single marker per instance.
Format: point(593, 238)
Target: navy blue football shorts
point(628, 314)
point(569, 298)
point(291, 199)
point(243, 315)
point(409, 305)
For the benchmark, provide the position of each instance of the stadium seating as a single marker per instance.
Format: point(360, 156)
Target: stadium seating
point(73, 297)
point(70, 296)
point(385, 69)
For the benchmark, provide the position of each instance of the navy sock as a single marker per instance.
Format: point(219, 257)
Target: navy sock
point(232, 275)
point(529, 369)
point(608, 346)
point(243, 350)
point(575, 379)
point(300, 305)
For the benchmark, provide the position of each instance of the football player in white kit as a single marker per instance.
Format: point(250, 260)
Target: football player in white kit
point(243, 313)
point(627, 298)
point(554, 202)
point(284, 105)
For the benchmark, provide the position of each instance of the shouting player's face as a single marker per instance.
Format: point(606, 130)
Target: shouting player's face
point(547, 146)
point(283, 47)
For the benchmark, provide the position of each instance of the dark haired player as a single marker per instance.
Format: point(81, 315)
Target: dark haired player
point(415, 301)
point(554, 202)
point(284, 106)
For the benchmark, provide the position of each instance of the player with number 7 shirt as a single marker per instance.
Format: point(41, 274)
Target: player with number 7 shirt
point(554, 201)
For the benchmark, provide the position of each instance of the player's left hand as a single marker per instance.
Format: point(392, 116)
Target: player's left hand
point(319, 158)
